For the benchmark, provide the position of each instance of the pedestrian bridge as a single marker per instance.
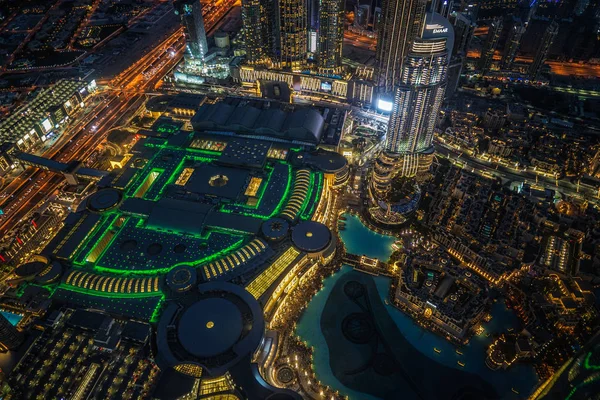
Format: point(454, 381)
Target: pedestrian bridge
point(366, 264)
point(71, 171)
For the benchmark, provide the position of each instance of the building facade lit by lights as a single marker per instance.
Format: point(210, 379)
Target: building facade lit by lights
point(402, 21)
point(417, 101)
point(256, 30)
point(418, 97)
point(512, 45)
point(331, 36)
point(200, 64)
point(292, 35)
point(190, 12)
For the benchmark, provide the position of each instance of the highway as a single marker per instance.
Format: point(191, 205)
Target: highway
point(564, 186)
point(123, 93)
point(561, 68)
point(359, 41)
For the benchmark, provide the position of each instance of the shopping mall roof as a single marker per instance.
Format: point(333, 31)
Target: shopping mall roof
point(261, 118)
point(311, 236)
point(216, 327)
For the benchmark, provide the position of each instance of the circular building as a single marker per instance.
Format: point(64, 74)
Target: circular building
point(313, 238)
point(103, 200)
point(38, 269)
point(182, 278)
point(333, 165)
point(31, 268)
point(50, 274)
point(275, 229)
point(214, 329)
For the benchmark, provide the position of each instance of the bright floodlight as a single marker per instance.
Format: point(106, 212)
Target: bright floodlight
point(384, 105)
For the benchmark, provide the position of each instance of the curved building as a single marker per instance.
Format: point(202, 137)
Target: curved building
point(418, 97)
point(206, 233)
point(210, 335)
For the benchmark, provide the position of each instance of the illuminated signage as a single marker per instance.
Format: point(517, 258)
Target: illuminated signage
point(431, 304)
point(326, 86)
point(436, 28)
point(312, 42)
point(384, 105)
point(46, 125)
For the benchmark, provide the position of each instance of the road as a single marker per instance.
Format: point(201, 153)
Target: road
point(564, 186)
point(360, 41)
point(124, 93)
point(561, 68)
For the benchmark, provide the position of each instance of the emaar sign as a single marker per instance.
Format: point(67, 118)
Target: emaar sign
point(436, 28)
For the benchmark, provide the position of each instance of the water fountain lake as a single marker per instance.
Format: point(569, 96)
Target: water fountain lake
point(360, 240)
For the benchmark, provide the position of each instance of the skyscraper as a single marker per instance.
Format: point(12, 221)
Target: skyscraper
point(190, 12)
point(419, 95)
point(402, 21)
point(292, 43)
point(362, 15)
point(542, 51)
point(512, 45)
point(331, 36)
point(464, 27)
point(10, 337)
point(313, 25)
point(255, 20)
point(489, 47)
point(417, 101)
point(442, 7)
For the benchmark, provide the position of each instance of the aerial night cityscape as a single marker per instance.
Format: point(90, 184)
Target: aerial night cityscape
point(300, 199)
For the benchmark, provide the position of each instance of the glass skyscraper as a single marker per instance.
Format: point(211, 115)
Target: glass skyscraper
point(487, 53)
point(402, 21)
point(542, 51)
point(418, 97)
point(192, 21)
point(255, 20)
point(512, 45)
point(331, 35)
point(293, 33)
point(419, 94)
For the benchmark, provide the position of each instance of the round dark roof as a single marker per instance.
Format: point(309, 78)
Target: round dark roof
point(311, 236)
point(104, 199)
point(50, 274)
point(210, 327)
point(215, 326)
point(182, 278)
point(30, 268)
point(275, 228)
point(327, 161)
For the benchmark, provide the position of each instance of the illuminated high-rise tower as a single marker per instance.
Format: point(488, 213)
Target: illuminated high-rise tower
point(402, 21)
point(419, 95)
point(542, 51)
point(292, 40)
point(417, 101)
point(489, 47)
point(256, 24)
point(512, 45)
point(192, 21)
point(331, 36)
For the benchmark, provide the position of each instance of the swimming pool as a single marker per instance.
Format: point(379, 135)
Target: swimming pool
point(11, 317)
